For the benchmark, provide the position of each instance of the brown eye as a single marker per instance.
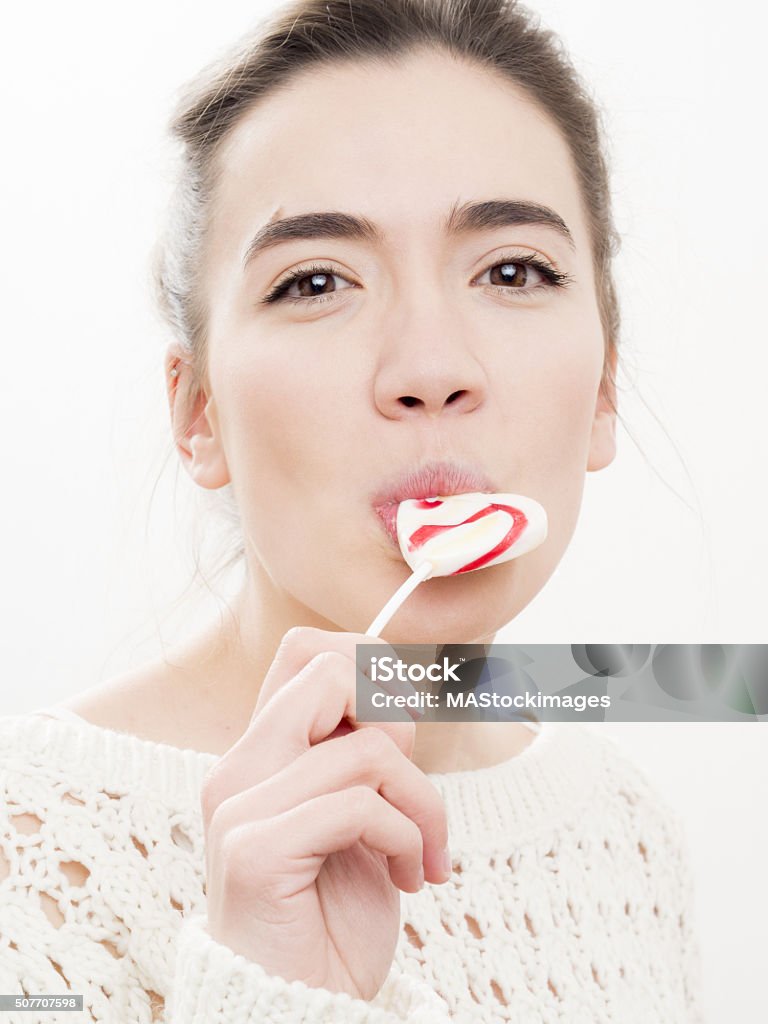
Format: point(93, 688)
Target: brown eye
point(517, 274)
point(524, 277)
point(314, 284)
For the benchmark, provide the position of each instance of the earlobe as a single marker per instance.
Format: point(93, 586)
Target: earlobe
point(201, 449)
point(602, 446)
point(207, 463)
point(194, 424)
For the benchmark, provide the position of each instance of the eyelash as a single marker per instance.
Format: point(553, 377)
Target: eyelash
point(552, 279)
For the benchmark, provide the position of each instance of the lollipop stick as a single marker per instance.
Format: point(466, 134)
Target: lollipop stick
point(419, 574)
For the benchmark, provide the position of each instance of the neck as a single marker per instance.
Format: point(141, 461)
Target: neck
point(221, 670)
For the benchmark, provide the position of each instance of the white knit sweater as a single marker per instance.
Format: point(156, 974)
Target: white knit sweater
point(569, 901)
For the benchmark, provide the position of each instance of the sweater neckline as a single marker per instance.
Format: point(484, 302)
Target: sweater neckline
point(546, 784)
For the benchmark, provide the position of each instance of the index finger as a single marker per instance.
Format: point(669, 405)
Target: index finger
point(299, 646)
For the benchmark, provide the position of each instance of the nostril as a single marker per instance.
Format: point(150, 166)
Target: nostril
point(409, 400)
point(451, 398)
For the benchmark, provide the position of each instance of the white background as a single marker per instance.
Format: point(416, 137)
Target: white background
point(671, 546)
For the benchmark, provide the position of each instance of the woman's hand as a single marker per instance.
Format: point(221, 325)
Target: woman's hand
point(310, 830)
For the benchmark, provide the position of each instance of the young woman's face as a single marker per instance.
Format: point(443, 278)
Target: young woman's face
point(419, 345)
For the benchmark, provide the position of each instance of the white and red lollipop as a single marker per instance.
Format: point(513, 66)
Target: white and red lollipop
point(464, 532)
point(453, 534)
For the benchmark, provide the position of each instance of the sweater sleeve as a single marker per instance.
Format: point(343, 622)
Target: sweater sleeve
point(214, 985)
point(100, 897)
point(47, 948)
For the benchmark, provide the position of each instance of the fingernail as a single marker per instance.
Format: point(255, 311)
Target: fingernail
point(447, 863)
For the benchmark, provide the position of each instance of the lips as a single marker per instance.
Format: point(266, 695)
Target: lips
point(429, 480)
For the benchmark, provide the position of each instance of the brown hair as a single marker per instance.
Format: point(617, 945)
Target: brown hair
point(500, 35)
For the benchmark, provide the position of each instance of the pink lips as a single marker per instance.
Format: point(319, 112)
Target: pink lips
point(428, 480)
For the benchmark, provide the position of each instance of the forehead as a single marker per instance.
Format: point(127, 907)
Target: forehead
point(398, 143)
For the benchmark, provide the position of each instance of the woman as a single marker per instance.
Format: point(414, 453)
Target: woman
point(387, 272)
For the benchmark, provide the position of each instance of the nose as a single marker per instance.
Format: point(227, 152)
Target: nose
point(428, 370)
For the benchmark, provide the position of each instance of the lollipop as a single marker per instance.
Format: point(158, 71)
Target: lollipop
point(465, 532)
point(458, 533)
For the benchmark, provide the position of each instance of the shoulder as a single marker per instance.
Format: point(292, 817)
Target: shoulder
point(131, 699)
point(640, 811)
point(151, 703)
point(42, 754)
point(162, 703)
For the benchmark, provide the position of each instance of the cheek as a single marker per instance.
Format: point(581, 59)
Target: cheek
point(548, 383)
point(569, 427)
point(290, 451)
point(282, 427)
point(548, 396)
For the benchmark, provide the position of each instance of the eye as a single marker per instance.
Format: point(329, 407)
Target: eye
point(310, 283)
point(523, 275)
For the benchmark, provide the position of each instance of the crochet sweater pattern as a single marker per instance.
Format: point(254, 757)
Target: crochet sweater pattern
point(570, 899)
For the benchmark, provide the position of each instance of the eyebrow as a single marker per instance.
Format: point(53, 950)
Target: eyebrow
point(469, 217)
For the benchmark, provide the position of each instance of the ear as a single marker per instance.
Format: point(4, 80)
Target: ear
point(194, 422)
point(602, 445)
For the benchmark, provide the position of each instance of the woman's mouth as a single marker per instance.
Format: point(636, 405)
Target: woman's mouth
point(388, 515)
point(430, 480)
